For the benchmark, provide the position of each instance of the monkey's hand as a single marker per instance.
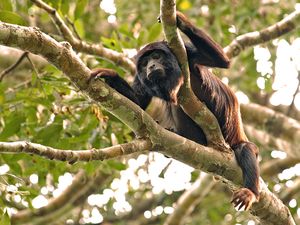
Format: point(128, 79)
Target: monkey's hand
point(244, 198)
point(116, 82)
point(108, 75)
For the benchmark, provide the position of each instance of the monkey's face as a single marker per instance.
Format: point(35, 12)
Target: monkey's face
point(160, 74)
point(152, 67)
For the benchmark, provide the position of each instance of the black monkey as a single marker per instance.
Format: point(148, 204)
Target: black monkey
point(159, 75)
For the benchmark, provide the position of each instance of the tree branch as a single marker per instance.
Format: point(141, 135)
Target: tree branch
point(288, 193)
point(9, 55)
point(277, 124)
point(81, 187)
point(139, 206)
point(275, 166)
point(268, 140)
point(73, 156)
point(190, 199)
point(12, 67)
point(119, 59)
point(276, 30)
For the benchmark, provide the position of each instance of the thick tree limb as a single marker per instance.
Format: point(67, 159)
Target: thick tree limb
point(277, 124)
point(79, 180)
point(81, 187)
point(139, 206)
point(288, 193)
point(276, 30)
point(190, 199)
point(118, 58)
point(275, 166)
point(268, 140)
point(73, 156)
point(269, 209)
point(187, 99)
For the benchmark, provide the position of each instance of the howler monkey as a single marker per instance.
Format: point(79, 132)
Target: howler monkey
point(159, 75)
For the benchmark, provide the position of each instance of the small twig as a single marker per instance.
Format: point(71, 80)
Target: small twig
point(274, 123)
point(73, 156)
point(73, 27)
point(78, 217)
point(276, 30)
point(12, 67)
point(192, 197)
point(94, 49)
point(275, 166)
point(163, 171)
point(288, 193)
point(32, 65)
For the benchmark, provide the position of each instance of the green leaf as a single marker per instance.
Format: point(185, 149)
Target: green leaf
point(12, 125)
point(79, 26)
point(141, 38)
point(6, 5)
point(80, 6)
point(16, 168)
point(10, 17)
point(50, 135)
point(111, 43)
point(2, 98)
point(64, 7)
point(34, 79)
point(90, 167)
point(154, 32)
point(54, 3)
point(4, 219)
point(116, 165)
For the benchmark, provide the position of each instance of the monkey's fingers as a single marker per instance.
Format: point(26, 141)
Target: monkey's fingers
point(236, 202)
point(243, 198)
point(103, 73)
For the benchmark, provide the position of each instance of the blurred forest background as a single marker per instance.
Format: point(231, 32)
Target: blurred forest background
point(39, 104)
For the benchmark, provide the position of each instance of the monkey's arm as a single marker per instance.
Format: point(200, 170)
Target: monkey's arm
point(205, 51)
point(135, 93)
point(246, 156)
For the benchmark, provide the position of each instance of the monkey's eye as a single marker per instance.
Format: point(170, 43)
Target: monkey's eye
point(144, 62)
point(155, 55)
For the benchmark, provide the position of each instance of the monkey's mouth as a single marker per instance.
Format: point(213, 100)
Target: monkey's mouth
point(155, 75)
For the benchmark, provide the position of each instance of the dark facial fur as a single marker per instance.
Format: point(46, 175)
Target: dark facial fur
point(159, 72)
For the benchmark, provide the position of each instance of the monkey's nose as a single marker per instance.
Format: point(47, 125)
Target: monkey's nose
point(152, 67)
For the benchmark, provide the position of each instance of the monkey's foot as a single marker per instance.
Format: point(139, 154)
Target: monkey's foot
point(243, 198)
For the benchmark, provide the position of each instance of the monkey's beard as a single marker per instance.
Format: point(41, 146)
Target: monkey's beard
point(156, 75)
